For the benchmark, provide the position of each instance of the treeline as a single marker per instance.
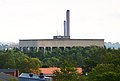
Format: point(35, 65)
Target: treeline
point(96, 62)
point(79, 56)
point(15, 59)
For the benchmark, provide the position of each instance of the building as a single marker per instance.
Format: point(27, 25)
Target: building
point(50, 44)
point(49, 72)
point(12, 72)
point(59, 41)
point(7, 77)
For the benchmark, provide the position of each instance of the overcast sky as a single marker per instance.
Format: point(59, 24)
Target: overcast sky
point(41, 19)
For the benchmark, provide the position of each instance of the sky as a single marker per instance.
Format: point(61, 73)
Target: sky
point(43, 19)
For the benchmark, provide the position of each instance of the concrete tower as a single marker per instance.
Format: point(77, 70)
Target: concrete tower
point(65, 28)
point(68, 22)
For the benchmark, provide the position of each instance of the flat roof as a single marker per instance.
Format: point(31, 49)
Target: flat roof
point(55, 39)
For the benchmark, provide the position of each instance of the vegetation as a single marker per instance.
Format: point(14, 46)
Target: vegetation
point(105, 72)
point(67, 73)
point(18, 60)
point(85, 57)
point(99, 64)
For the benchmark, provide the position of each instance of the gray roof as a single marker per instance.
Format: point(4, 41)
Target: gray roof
point(26, 77)
point(59, 39)
point(7, 70)
point(6, 77)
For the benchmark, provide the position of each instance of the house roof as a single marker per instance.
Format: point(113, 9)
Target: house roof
point(49, 71)
point(7, 70)
point(34, 77)
point(6, 77)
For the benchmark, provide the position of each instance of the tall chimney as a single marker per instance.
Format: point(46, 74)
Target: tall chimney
point(65, 28)
point(68, 22)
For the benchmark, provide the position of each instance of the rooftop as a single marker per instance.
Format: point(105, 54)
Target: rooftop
point(7, 70)
point(57, 39)
point(34, 77)
point(49, 71)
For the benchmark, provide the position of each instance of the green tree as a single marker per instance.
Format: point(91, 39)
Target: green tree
point(104, 72)
point(67, 73)
point(30, 65)
point(50, 62)
point(17, 60)
point(34, 65)
point(107, 76)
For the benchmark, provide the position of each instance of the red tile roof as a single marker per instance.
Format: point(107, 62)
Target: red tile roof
point(52, 69)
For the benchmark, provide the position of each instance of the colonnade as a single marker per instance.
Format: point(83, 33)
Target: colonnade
point(43, 49)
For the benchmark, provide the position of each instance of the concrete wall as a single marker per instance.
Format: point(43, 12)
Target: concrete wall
point(28, 43)
point(53, 43)
point(70, 43)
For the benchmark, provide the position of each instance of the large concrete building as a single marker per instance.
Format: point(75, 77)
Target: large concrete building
point(49, 44)
point(59, 41)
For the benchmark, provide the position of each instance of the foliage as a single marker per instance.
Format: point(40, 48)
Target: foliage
point(105, 60)
point(85, 57)
point(105, 72)
point(96, 61)
point(108, 76)
point(67, 73)
point(17, 60)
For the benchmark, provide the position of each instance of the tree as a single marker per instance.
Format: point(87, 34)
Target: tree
point(67, 73)
point(17, 60)
point(104, 72)
point(35, 64)
point(50, 62)
point(30, 65)
point(107, 76)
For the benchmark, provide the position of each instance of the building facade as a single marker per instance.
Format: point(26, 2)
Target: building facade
point(50, 44)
